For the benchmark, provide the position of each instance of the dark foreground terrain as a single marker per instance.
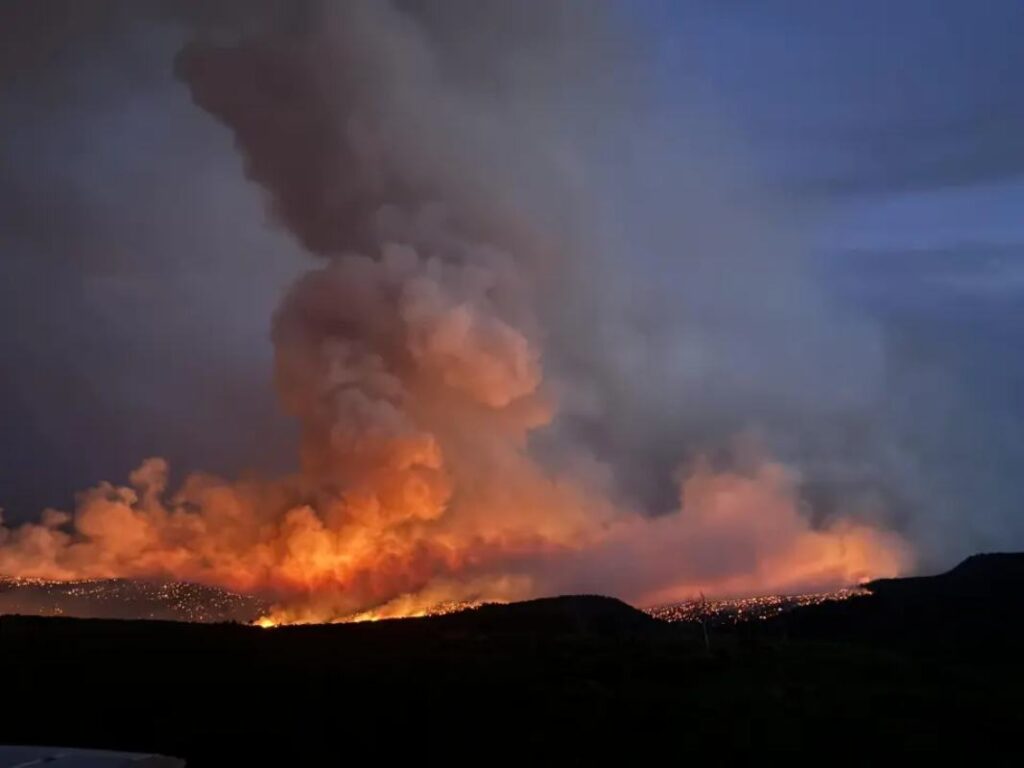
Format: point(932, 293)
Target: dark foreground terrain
point(920, 669)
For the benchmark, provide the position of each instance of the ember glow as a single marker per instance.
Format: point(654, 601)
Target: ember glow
point(414, 357)
point(738, 610)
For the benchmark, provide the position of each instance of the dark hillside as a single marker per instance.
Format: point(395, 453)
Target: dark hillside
point(976, 606)
point(577, 680)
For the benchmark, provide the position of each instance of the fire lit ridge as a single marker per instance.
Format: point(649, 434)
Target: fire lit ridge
point(720, 611)
point(737, 610)
point(196, 603)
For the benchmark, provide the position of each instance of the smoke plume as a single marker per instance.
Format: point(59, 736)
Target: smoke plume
point(492, 403)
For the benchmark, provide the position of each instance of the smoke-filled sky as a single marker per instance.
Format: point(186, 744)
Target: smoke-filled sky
point(633, 297)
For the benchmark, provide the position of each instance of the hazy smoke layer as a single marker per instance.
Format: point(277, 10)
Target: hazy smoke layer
point(493, 401)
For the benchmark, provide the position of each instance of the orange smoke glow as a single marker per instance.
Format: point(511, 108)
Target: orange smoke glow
point(416, 486)
point(757, 520)
point(734, 535)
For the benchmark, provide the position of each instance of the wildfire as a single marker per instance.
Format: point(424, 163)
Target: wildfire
point(416, 486)
point(399, 510)
point(413, 358)
point(401, 611)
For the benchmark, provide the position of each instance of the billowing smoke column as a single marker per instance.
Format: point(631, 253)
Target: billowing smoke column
point(413, 358)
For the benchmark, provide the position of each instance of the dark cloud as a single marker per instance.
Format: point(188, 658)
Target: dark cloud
point(124, 223)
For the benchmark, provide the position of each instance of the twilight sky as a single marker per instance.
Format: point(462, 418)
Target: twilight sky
point(888, 138)
point(898, 128)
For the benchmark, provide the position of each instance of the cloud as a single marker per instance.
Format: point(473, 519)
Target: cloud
point(126, 225)
point(871, 99)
